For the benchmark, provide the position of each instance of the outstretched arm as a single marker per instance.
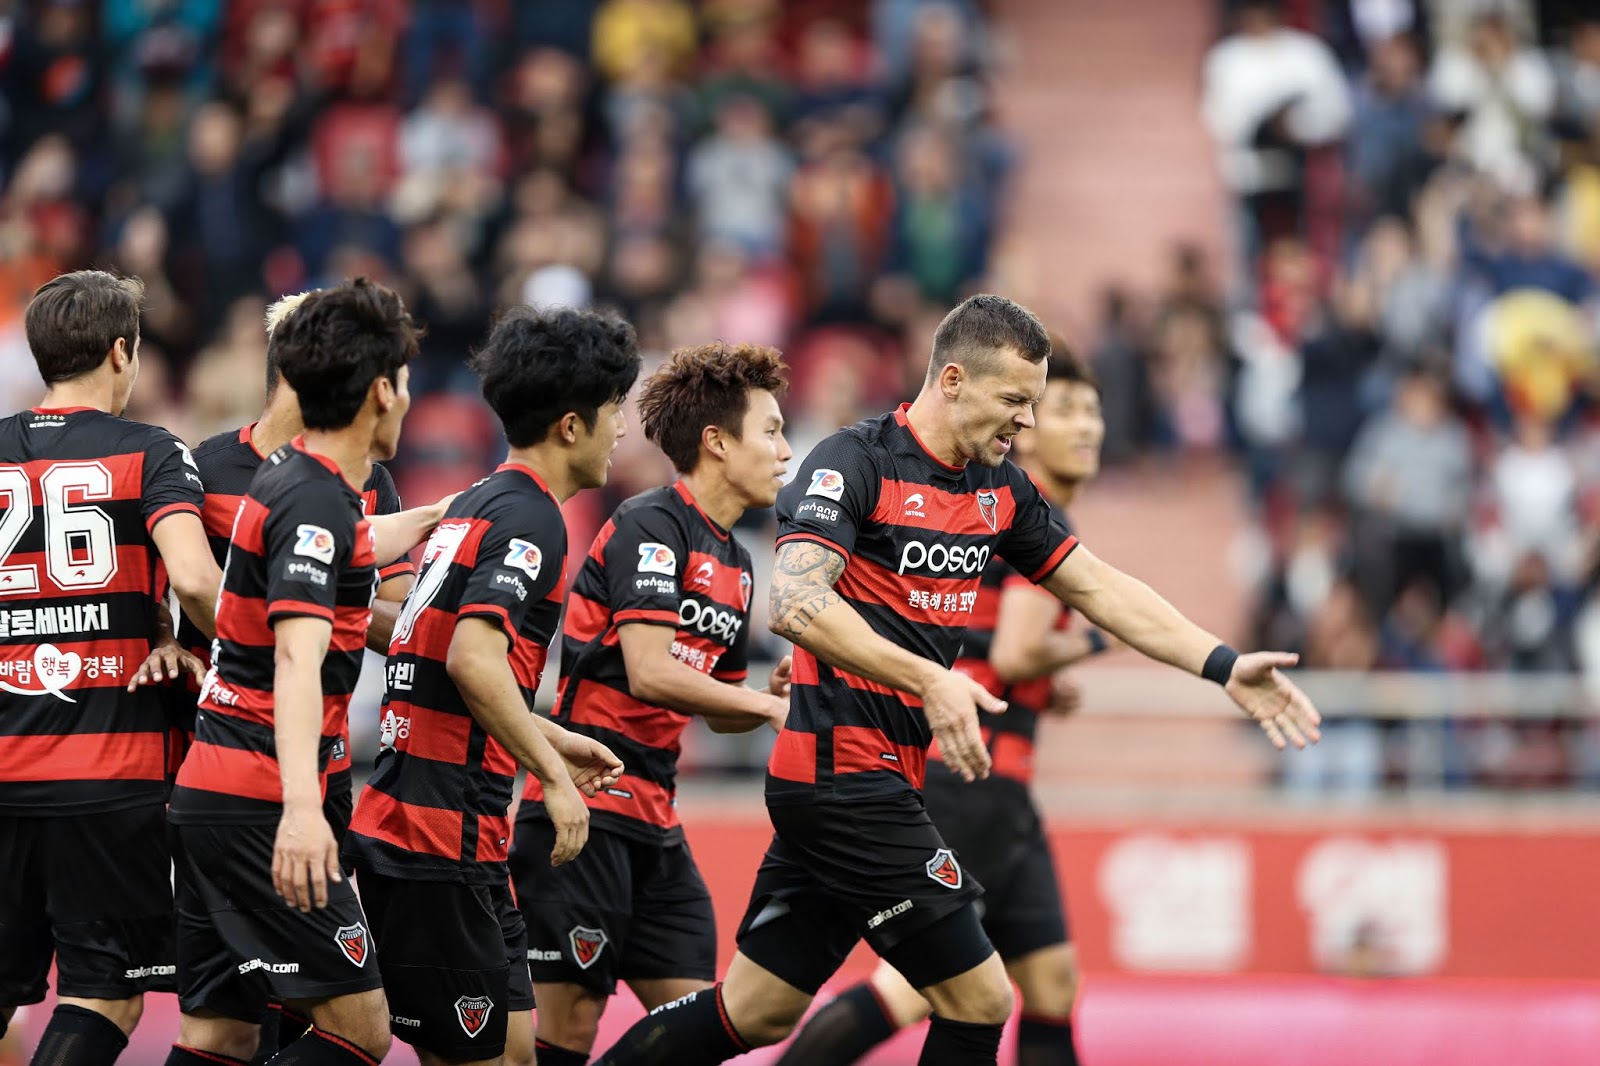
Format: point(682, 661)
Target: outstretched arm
point(657, 676)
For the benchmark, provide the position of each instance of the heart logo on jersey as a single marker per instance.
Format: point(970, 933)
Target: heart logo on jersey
point(352, 940)
point(56, 669)
point(472, 1012)
point(587, 944)
point(987, 502)
point(944, 869)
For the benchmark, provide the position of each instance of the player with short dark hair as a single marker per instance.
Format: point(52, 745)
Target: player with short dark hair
point(430, 835)
point(291, 627)
point(1017, 646)
point(95, 509)
point(883, 539)
point(656, 631)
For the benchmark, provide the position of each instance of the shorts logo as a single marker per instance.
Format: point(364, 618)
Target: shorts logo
point(986, 507)
point(827, 483)
point(587, 944)
point(314, 542)
point(352, 940)
point(472, 1012)
point(657, 559)
point(525, 557)
point(944, 869)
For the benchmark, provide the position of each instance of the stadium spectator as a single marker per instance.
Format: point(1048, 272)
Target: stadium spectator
point(1502, 88)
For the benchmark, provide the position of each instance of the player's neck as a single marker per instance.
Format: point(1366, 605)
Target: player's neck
point(279, 424)
point(87, 390)
point(549, 461)
point(349, 448)
point(714, 496)
point(936, 439)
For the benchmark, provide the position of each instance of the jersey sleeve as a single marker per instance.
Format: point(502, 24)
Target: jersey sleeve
point(309, 536)
point(519, 564)
point(172, 482)
point(386, 500)
point(643, 561)
point(830, 498)
point(1039, 538)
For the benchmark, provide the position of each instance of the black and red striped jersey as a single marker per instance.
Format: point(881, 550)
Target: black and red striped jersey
point(301, 547)
point(1010, 734)
point(917, 535)
point(436, 807)
point(80, 583)
point(660, 560)
point(227, 462)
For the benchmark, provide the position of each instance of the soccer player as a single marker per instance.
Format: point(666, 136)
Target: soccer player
point(291, 625)
point(1016, 645)
point(94, 507)
point(227, 462)
point(431, 832)
point(883, 538)
point(656, 631)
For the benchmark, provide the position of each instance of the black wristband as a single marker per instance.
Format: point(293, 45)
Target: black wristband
point(1096, 639)
point(1219, 664)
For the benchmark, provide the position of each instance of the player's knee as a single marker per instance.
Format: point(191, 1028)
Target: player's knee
point(1049, 983)
point(990, 1003)
point(764, 1023)
point(361, 1018)
point(123, 1013)
point(220, 1036)
point(570, 1020)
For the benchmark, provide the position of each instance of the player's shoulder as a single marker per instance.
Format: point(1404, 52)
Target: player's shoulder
point(126, 435)
point(652, 508)
point(379, 480)
point(510, 494)
point(292, 477)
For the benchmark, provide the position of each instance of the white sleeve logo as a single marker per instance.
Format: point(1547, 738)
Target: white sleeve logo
point(657, 559)
point(188, 456)
point(314, 542)
point(525, 557)
point(829, 483)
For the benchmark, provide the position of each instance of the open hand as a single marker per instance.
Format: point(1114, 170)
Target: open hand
point(166, 662)
point(592, 766)
point(305, 857)
point(951, 705)
point(1278, 706)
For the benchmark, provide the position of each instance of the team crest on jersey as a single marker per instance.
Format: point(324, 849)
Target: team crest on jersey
point(829, 483)
point(657, 559)
point(314, 542)
point(744, 589)
point(352, 940)
point(473, 1013)
point(587, 944)
point(944, 869)
point(987, 506)
point(525, 557)
point(703, 575)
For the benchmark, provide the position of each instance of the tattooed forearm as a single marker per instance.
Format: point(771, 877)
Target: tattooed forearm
point(802, 587)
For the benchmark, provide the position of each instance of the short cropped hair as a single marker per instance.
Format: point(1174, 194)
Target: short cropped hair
point(74, 319)
point(338, 341)
point(540, 364)
point(280, 310)
point(708, 385)
point(980, 326)
point(1066, 365)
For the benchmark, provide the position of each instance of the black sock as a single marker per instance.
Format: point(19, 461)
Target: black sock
point(692, 1031)
point(188, 1056)
point(318, 1048)
point(1045, 1042)
point(960, 1044)
point(77, 1036)
point(843, 1031)
point(550, 1055)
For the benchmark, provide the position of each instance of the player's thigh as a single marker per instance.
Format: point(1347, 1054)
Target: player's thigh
point(792, 928)
point(762, 1007)
point(673, 933)
point(444, 964)
point(903, 1003)
point(25, 945)
point(1047, 980)
point(1025, 912)
point(578, 915)
point(108, 893)
point(213, 984)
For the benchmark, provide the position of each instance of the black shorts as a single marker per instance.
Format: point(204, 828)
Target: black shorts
point(239, 943)
point(995, 830)
point(836, 873)
point(454, 964)
point(92, 891)
point(623, 910)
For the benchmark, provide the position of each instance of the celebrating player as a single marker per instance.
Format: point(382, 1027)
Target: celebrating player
point(291, 625)
point(430, 835)
point(884, 536)
point(94, 504)
point(656, 630)
point(1016, 645)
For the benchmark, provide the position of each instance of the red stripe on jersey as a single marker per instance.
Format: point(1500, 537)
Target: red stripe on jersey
point(733, 677)
point(641, 615)
point(248, 774)
point(248, 526)
point(1062, 551)
point(805, 672)
point(500, 614)
point(858, 749)
point(298, 608)
point(586, 618)
point(394, 570)
point(494, 838)
point(649, 802)
point(1011, 755)
point(605, 708)
point(126, 470)
point(909, 504)
point(709, 575)
point(436, 735)
point(986, 610)
point(814, 539)
point(219, 512)
point(84, 757)
point(101, 663)
point(866, 581)
point(597, 550)
point(135, 573)
point(794, 757)
point(169, 510)
point(256, 705)
point(424, 830)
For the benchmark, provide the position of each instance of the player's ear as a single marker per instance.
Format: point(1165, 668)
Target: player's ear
point(568, 427)
point(951, 375)
point(383, 393)
point(715, 440)
point(121, 354)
